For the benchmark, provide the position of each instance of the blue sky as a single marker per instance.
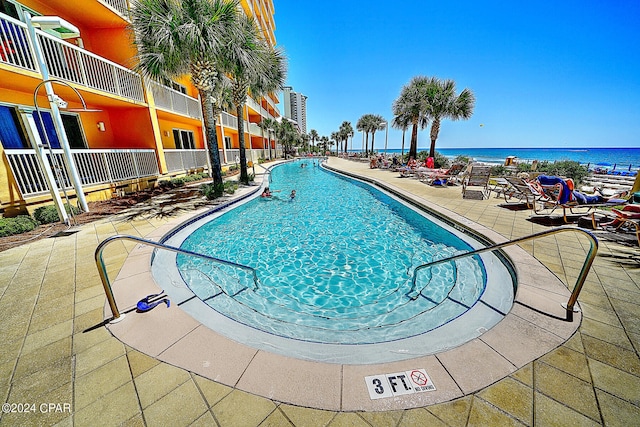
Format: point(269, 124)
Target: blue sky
point(553, 74)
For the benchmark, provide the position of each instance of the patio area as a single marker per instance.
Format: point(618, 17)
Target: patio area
point(59, 357)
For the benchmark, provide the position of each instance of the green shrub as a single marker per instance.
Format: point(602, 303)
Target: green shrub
point(499, 170)
point(230, 187)
point(17, 225)
point(462, 160)
point(212, 191)
point(177, 182)
point(49, 214)
point(165, 185)
point(565, 168)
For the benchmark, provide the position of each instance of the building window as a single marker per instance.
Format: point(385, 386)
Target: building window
point(227, 142)
point(175, 86)
point(184, 139)
point(11, 132)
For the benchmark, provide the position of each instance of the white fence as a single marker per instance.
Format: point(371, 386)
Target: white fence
point(94, 167)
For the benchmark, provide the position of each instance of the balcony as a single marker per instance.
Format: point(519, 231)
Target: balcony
point(67, 62)
point(176, 102)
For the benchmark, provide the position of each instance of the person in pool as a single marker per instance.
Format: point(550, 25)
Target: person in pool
point(292, 195)
point(266, 192)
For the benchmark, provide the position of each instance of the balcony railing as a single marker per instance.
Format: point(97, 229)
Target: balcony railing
point(121, 6)
point(174, 101)
point(229, 120)
point(14, 44)
point(66, 61)
point(94, 167)
point(183, 160)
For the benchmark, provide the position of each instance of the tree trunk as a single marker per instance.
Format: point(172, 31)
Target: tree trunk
point(366, 144)
point(244, 175)
point(212, 136)
point(413, 149)
point(435, 129)
point(373, 138)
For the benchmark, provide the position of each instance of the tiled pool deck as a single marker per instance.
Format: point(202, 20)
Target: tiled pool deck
point(57, 351)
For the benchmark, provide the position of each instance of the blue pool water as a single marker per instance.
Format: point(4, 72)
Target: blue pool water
point(335, 265)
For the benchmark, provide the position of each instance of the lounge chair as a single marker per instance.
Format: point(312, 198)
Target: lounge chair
point(442, 178)
point(519, 189)
point(624, 219)
point(476, 184)
point(561, 194)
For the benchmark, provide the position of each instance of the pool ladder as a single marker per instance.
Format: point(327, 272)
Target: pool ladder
point(569, 306)
point(117, 316)
point(586, 266)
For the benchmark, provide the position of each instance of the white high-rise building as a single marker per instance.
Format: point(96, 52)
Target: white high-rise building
point(295, 107)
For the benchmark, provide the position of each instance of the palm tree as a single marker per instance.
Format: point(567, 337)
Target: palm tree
point(346, 131)
point(363, 126)
point(177, 38)
point(313, 136)
point(375, 124)
point(288, 135)
point(442, 102)
point(325, 143)
point(410, 108)
point(254, 66)
point(401, 122)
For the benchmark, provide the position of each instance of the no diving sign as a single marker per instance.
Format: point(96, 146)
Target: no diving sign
point(399, 383)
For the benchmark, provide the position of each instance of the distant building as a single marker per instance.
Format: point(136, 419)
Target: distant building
point(295, 107)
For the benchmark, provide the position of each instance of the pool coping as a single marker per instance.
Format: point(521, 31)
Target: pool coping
point(521, 337)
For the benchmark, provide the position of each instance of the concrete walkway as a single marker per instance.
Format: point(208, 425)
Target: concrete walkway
point(59, 359)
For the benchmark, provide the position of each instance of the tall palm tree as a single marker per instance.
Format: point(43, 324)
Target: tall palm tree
point(401, 122)
point(288, 135)
point(346, 131)
point(375, 124)
point(442, 102)
point(325, 143)
point(410, 108)
point(363, 126)
point(177, 38)
point(313, 136)
point(254, 66)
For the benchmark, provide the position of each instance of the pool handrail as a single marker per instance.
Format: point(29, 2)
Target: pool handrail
point(117, 316)
point(586, 266)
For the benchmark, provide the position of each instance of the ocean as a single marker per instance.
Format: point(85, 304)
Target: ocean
point(621, 158)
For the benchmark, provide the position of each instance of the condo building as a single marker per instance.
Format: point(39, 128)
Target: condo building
point(76, 119)
point(295, 107)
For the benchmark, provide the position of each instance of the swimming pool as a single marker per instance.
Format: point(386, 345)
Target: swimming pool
point(335, 269)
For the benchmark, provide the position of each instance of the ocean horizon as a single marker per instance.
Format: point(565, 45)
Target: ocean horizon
point(621, 158)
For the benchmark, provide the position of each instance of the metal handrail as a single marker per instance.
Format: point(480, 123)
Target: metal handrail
point(579, 282)
point(117, 316)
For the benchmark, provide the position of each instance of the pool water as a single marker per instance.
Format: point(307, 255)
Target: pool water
point(335, 266)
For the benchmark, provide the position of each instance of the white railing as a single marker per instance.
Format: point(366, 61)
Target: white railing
point(257, 107)
point(120, 6)
point(174, 101)
point(183, 160)
point(68, 62)
point(94, 167)
point(229, 120)
point(14, 44)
